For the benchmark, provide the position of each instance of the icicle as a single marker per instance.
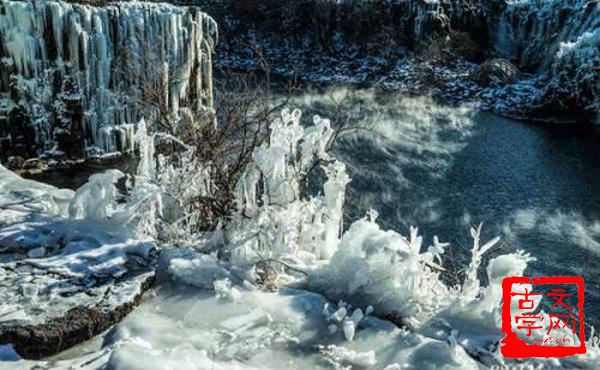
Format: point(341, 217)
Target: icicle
point(146, 148)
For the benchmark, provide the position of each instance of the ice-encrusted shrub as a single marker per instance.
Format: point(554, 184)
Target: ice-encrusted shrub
point(280, 229)
point(275, 221)
point(402, 282)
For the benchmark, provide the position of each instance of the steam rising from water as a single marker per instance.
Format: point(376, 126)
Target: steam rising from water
point(570, 227)
point(406, 140)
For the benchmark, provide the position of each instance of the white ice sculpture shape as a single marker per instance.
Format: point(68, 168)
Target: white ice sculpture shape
point(288, 223)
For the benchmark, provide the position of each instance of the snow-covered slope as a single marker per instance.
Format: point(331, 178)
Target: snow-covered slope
point(85, 72)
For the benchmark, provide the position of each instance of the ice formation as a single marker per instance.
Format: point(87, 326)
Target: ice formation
point(87, 70)
point(533, 32)
point(275, 219)
point(560, 41)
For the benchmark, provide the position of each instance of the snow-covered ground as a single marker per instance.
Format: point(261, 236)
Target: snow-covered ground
point(237, 326)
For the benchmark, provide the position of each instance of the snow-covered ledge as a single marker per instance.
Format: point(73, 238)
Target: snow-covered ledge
point(81, 72)
point(67, 271)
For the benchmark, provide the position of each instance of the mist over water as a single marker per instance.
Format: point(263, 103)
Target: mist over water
point(444, 169)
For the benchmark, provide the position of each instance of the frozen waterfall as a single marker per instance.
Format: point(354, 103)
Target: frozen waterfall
point(84, 71)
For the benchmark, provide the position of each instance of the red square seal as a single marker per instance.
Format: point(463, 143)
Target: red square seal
point(531, 333)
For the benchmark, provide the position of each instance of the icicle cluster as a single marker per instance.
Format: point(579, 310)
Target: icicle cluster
point(113, 57)
point(532, 32)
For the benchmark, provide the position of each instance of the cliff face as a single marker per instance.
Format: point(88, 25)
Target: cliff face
point(77, 76)
point(531, 32)
point(558, 41)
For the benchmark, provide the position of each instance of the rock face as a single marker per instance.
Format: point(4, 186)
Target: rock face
point(531, 33)
point(556, 42)
point(80, 313)
point(495, 71)
point(559, 41)
point(74, 76)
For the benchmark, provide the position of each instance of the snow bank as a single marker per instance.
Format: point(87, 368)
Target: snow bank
point(26, 197)
point(183, 327)
point(383, 268)
point(286, 329)
point(63, 249)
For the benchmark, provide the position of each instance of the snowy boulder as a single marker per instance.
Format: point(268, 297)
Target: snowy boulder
point(495, 71)
point(65, 276)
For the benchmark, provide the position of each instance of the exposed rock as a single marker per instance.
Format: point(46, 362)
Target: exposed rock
point(86, 311)
point(15, 162)
point(495, 72)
